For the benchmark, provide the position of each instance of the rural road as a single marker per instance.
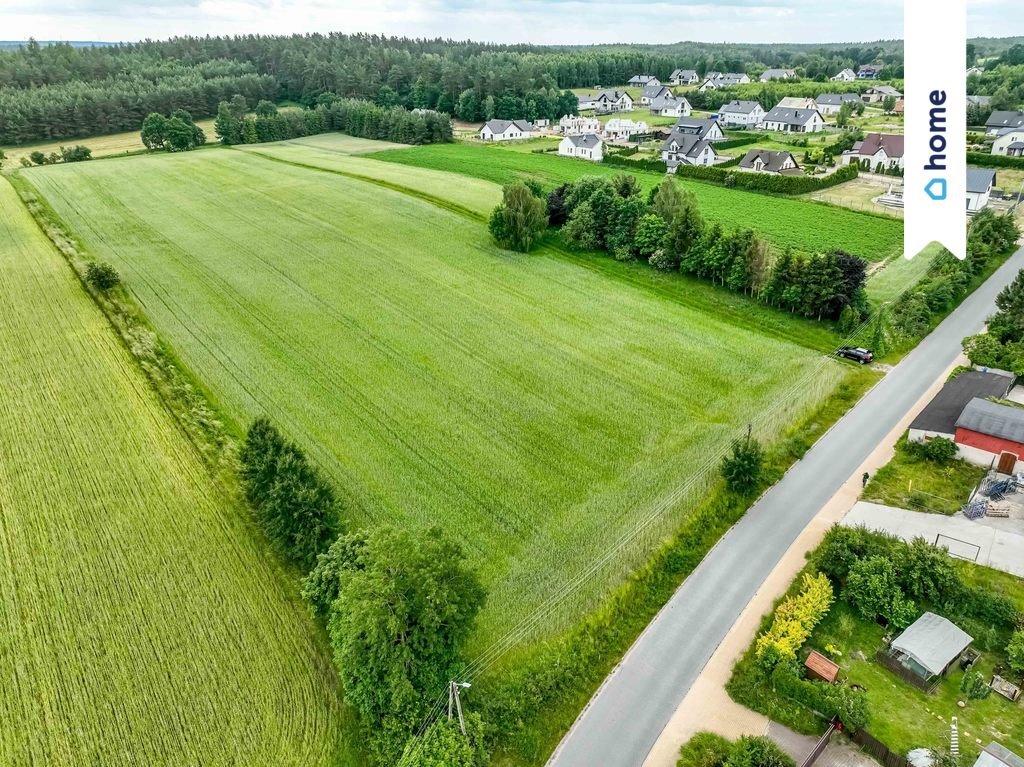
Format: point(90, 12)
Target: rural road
point(626, 716)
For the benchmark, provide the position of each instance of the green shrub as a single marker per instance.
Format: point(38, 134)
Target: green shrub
point(742, 467)
point(1015, 651)
point(938, 450)
point(102, 276)
point(758, 751)
point(973, 686)
point(985, 160)
point(795, 619)
point(765, 182)
point(705, 749)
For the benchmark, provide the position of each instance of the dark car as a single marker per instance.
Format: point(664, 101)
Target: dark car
point(855, 353)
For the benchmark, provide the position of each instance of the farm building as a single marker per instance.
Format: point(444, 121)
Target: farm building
point(793, 120)
point(620, 129)
point(577, 125)
point(703, 128)
point(979, 188)
point(652, 92)
point(684, 77)
point(586, 147)
point(643, 81)
point(1009, 142)
point(506, 130)
point(996, 755)
point(929, 646)
point(777, 74)
point(939, 417)
point(883, 149)
point(879, 93)
point(868, 72)
point(769, 161)
point(747, 113)
point(1000, 120)
point(846, 76)
point(671, 106)
point(613, 101)
point(989, 433)
point(831, 103)
point(687, 149)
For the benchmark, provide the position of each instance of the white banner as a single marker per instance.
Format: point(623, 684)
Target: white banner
point(935, 124)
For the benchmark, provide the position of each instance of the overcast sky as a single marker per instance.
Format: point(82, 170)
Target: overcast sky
point(537, 21)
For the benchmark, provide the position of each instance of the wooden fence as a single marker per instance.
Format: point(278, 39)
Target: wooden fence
point(877, 749)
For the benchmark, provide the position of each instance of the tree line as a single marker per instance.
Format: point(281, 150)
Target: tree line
point(1002, 347)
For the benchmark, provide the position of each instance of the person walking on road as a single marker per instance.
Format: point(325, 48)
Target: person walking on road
point(864, 479)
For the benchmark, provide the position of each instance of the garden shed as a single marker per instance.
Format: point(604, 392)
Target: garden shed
point(820, 667)
point(929, 646)
point(996, 755)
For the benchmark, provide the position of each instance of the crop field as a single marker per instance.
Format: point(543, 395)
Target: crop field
point(533, 408)
point(143, 623)
point(800, 224)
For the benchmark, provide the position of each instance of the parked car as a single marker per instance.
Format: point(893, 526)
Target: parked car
point(855, 353)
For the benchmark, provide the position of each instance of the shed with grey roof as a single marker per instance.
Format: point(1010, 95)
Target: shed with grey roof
point(929, 646)
point(992, 419)
point(997, 755)
point(939, 417)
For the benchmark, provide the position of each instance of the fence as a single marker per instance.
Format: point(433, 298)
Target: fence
point(820, 746)
point(877, 749)
point(907, 676)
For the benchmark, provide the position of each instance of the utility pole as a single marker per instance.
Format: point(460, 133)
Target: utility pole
point(454, 690)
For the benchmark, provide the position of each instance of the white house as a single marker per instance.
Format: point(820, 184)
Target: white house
point(830, 103)
point(777, 74)
point(687, 149)
point(685, 77)
point(705, 129)
point(671, 106)
point(642, 81)
point(620, 128)
point(793, 120)
point(796, 102)
point(506, 130)
point(769, 161)
point(883, 149)
point(974, 71)
point(846, 76)
point(979, 188)
point(878, 93)
point(578, 125)
point(1000, 120)
point(613, 101)
point(586, 147)
point(652, 92)
point(746, 113)
point(716, 80)
point(1009, 142)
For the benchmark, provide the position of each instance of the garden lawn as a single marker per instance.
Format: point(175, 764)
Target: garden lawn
point(534, 409)
point(144, 621)
point(800, 224)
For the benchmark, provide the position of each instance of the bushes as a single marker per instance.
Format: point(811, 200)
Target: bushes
point(766, 182)
point(938, 450)
point(1003, 346)
point(742, 468)
point(795, 619)
point(102, 276)
point(825, 700)
point(1015, 651)
point(706, 749)
point(293, 503)
point(985, 160)
point(518, 223)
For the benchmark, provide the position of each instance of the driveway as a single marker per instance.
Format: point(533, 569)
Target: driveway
point(624, 719)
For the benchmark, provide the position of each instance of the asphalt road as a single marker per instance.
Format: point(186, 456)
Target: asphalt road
point(626, 716)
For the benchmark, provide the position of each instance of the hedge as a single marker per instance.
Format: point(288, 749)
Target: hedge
point(655, 166)
point(764, 182)
point(984, 160)
point(796, 617)
point(739, 141)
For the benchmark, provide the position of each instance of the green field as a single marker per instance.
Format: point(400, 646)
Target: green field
point(806, 226)
point(899, 274)
point(532, 406)
point(143, 621)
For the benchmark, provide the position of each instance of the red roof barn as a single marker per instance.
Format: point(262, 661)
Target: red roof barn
point(989, 432)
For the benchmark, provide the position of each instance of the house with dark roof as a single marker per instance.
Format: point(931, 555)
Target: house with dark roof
point(831, 103)
point(1009, 142)
point(769, 161)
point(684, 77)
point(793, 120)
point(980, 182)
point(877, 149)
point(749, 114)
point(506, 130)
point(671, 106)
point(652, 92)
point(642, 81)
point(613, 101)
point(868, 72)
point(1000, 119)
point(991, 434)
point(879, 93)
point(939, 417)
point(707, 129)
point(716, 80)
point(778, 74)
point(687, 149)
point(586, 147)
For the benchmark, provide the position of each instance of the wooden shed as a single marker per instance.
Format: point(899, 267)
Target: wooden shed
point(820, 667)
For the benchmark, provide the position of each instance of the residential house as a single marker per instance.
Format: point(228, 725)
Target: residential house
point(578, 125)
point(1009, 142)
point(716, 80)
point(620, 129)
point(868, 72)
point(830, 103)
point(671, 106)
point(746, 113)
point(652, 92)
point(796, 102)
point(1000, 120)
point(793, 120)
point(586, 147)
point(883, 149)
point(778, 74)
point(542, 124)
point(687, 149)
point(769, 161)
point(989, 433)
point(642, 81)
point(974, 71)
point(685, 77)
point(506, 130)
point(586, 103)
point(929, 647)
point(939, 417)
point(996, 755)
point(879, 93)
point(613, 101)
point(846, 76)
point(979, 188)
point(707, 129)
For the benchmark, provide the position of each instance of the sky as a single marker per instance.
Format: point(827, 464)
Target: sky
point(535, 21)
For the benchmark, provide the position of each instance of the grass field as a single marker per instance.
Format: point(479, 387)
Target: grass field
point(898, 274)
point(533, 408)
point(143, 621)
point(800, 224)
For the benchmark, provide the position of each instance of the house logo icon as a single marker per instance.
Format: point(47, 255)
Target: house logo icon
point(936, 189)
